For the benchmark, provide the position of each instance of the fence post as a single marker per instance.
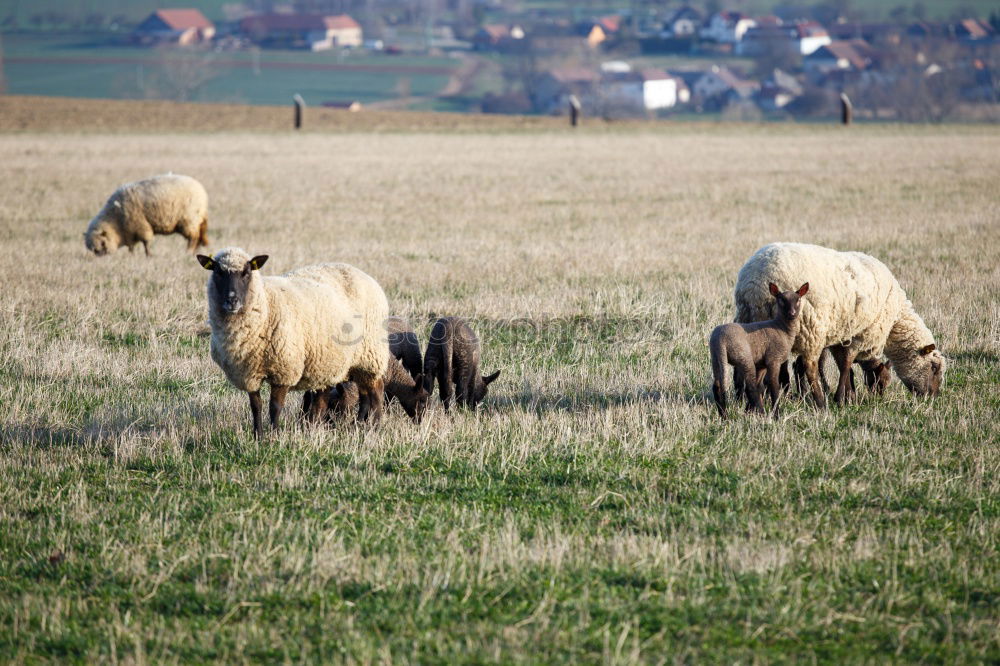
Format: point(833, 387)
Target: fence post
point(574, 110)
point(300, 104)
point(846, 109)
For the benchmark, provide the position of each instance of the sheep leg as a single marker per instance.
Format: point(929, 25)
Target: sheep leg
point(812, 374)
point(774, 386)
point(317, 405)
point(255, 405)
point(784, 378)
point(445, 387)
point(372, 398)
point(751, 386)
point(276, 404)
point(307, 400)
point(844, 356)
point(739, 391)
point(145, 244)
point(193, 243)
point(800, 374)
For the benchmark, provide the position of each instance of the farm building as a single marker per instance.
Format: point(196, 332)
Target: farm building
point(719, 86)
point(853, 55)
point(646, 90)
point(727, 27)
point(178, 26)
point(308, 31)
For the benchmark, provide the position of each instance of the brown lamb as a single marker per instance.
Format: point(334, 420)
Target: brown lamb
point(344, 398)
point(756, 350)
point(452, 357)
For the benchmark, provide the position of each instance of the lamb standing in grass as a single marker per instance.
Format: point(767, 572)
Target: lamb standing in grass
point(160, 205)
point(855, 300)
point(756, 350)
point(344, 398)
point(404, 346)
point(305, 330)
point(453, 357)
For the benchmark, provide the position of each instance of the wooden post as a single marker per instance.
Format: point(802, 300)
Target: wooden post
point(574, 110)
point(300, 104)
point(846, 109)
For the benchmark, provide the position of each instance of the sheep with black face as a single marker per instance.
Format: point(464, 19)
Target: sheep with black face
point(305, 330)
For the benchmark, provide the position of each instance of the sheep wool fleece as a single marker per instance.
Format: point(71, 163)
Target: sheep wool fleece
point(308, 329)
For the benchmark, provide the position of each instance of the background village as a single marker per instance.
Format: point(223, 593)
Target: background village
point(643, 59)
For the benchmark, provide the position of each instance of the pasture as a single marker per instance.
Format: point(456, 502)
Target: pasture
point(595, 509)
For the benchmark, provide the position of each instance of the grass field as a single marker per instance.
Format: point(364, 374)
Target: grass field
point(82, 65)
point(595, 510)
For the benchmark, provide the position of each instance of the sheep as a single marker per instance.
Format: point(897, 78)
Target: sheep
point(399, 384)
point(855, 303)
point(453, 357)
point(404, 345)
point(756, 349)
point(305, 330)
point(159, 205)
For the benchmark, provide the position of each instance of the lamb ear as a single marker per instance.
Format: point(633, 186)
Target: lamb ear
point(803, 289)
point(258, 262)
point(206, 262)
point(489, 379)
point(774, 288)
point(927, 350)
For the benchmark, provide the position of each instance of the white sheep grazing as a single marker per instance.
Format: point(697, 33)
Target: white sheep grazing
point(160, 205)
point(305, 330)
point(854, 301)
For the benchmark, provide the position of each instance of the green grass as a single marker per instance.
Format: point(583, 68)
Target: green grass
point(595, 510)
point(134, 72)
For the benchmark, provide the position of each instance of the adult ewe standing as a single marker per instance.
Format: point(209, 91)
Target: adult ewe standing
point(159, 205)
point(854, 302)
point(305, 330)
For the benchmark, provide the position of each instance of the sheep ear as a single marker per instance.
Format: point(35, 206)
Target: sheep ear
point(927, 350)
point(803, 289)
point(258, 262)
point(774, 288)
point(206, 262)
point(489, 379)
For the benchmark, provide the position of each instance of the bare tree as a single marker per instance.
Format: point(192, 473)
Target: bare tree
point(178, 75)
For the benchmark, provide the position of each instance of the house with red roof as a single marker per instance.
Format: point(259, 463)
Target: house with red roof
point(297, 31)
point(178, 26)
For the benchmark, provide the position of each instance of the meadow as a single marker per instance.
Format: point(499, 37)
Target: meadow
point(595, 509)
point(87, 65)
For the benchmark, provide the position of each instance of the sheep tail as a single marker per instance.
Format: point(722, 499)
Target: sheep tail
point(203, 233)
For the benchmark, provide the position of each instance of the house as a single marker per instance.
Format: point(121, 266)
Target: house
point(779, 90)
point(493, 36)
point(558, 39)
point(719, 86)
point(853, 55)
point(178, 26)
point(973, 29)
point(727, 27)
point(802, 37)
point(888, 34)
point(642, 90)
point(592, 32)
point(552, 89)
point(309, 31)
point(682, 23)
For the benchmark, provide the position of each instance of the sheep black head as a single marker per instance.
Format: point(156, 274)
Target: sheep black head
point(789, 302)
point(228, 286)
point(478, 392)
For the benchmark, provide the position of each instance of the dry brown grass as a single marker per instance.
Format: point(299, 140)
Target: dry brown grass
point(596, 509)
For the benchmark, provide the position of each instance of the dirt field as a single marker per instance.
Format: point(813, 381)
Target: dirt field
point(595, 509)
point(23, 113)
